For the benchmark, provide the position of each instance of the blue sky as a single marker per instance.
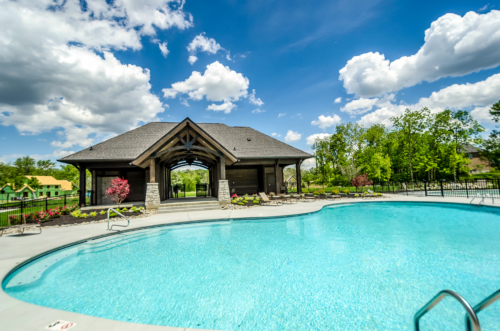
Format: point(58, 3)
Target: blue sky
point(84, 78)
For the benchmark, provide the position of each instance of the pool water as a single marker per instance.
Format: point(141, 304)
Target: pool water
point(365, 266)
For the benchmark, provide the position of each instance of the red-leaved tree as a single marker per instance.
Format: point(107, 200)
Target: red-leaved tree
point(361, 180)
point(119, 190)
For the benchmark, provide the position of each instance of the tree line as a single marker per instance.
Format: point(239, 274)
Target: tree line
point(189, 178)
point(419, 145)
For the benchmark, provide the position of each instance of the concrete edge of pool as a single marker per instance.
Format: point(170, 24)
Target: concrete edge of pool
point(15, 251)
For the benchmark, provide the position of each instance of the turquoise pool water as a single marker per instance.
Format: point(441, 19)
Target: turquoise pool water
point(367, 266)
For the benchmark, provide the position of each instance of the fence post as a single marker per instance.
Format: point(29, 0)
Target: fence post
point(65, 200)
point(46, 203)
point(466, 188)
point(22, 211)
point(498, 183)
point(425, 187)
point(442, 192)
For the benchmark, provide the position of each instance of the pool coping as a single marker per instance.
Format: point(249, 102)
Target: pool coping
point(24, 321)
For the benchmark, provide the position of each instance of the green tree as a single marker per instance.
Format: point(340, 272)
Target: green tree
point(34, 183)
point(495, 111)
point(411, 124)
point(25, 165)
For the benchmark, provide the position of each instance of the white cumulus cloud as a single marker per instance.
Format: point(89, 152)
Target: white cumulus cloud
point(312, 138)
point(479, 97)
point(359, 106)
point(58, 70)
point(326, 121)
point(292, 136)
point(454, 46)
point(281, 114)
point(258, 110)
point(274, 134)
point(163, 48)
point(217, 83)
point(255, 101)
point(201, 43)
point(338, 100)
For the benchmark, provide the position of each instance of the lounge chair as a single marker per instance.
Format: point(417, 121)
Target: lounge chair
point(265, 200)
point(309, 198)
point(332, 196)
point(21, 228)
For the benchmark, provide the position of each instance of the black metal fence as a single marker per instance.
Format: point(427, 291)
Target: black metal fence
point(201, 190)
point(179, 190)
point(17, 211)
point(459, 189)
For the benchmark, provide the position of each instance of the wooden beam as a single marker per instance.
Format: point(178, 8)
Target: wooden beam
point(276, 172)
point(83, 183)
point(222, 165)
point(152, 170)
point(298, 177)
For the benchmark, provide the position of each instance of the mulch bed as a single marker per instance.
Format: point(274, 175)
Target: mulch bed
point(68, 219)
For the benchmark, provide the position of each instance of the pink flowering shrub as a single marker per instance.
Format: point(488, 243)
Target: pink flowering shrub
point(361, 180)
point(119, 190)
point(234, 196)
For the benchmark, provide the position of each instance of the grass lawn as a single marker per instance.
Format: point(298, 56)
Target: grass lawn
point(14, 207)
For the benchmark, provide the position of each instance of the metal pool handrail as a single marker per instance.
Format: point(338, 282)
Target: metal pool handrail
point(440, 296)
point(482, 305)
point(121, 216)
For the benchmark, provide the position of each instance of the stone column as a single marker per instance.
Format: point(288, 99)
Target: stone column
point(152, 196)
point(224, 195)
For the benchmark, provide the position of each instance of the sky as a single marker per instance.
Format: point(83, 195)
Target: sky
point(74, 73)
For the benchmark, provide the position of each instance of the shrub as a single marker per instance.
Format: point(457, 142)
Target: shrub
point(271, 195)
point(102, 212)
point(77, 213)
point(234, 196)
point(15, 219)
point(255, 201)
point(30, 217)
point(356, 195)
point(361, 180)
point(234, 201)
point(112, 214)
point(346, 191)
point(93, 214)
point(321, 191)
point(315, 193)
point(245, 201)
point(305, 191)
point(241, 203)
point(142, 208)
point(335, 192)
point(119, 190)
point(84, 215)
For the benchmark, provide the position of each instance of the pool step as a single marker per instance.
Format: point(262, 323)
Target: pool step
point(188, 207)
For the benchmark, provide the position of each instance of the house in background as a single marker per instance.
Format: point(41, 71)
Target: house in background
point(476, 165)
point(51, 187)
point(8, 192)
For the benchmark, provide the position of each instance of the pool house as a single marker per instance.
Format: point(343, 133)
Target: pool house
point(239, 160)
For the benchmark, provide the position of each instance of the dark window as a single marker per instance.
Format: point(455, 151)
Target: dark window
point(48, 186)
point(56, 193)
point(57, 186)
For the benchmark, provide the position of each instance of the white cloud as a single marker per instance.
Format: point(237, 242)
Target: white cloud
point(338, 100)
point(359, 106)
point(226, 107)
point(281, 114)
point(255, 101)
point(292, 136)
point(308, 163)
point(485, 7)
point(57, 69)
point(454, 46)
point(163, 48)
point(326, 121)
point(217, 83)
point(258, 110)
point(185, 103)
point(480, 96)
point(312, 138)
point(203, 44)
point(274, 134)
point(192, 59)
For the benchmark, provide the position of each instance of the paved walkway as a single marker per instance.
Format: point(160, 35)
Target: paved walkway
point(18, 315)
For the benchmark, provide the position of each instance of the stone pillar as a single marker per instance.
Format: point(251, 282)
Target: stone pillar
point(152, 196)
point(224, 195)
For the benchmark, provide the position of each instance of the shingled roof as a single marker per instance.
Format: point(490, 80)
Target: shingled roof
point(132, 144)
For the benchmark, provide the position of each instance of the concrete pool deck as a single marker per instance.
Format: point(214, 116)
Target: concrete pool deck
point(14, 249)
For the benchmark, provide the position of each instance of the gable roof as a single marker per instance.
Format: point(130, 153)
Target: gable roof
point(468, 148)
point(130, 145)
point(49, 180)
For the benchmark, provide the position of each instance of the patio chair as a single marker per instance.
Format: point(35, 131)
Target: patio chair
point(265, 200)
point(309, 198)
point(332, 196)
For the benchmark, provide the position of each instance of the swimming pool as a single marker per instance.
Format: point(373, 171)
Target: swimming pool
point(363, 266)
